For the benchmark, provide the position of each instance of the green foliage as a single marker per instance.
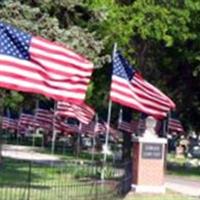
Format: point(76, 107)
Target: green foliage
point(160, 37)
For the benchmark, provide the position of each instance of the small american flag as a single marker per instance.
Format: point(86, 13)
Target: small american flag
point(5, 122)
point(129, 89)
point(100, 127)
point(88, 128)
point(81, 112)
point(60, 125)
point(175, 125)
point(13, 124)
point(36, 65)
point(26, 120)
point(44, 118)
point(129, 127)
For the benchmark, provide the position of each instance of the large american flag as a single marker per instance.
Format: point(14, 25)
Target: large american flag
point(82, 112)
point(34, 64)
point(175, 125)
point(128, 88)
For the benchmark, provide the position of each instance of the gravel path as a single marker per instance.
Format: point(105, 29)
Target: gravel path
point(183, 185)
point(27, 153)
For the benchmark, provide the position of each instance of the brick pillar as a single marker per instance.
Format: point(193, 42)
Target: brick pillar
point(149, 165)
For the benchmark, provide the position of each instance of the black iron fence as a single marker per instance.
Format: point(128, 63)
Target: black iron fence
point(22, 180)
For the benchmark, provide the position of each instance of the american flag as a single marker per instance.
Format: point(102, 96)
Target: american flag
point(93, 128)
point(128, 88)
point(129, 127)
point(44, 118)
point(100, 127)
point(81, 112)
point(26, 120)
point(61, 125)
point(126, 125)
point(13, 124)
point(88, 128)
point(175, 125)
point(34, 64)
point(136, 126)
point(5, 122)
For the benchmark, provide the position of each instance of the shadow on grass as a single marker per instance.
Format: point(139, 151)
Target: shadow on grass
point(20, 173)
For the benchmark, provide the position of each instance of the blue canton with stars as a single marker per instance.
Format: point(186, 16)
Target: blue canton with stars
point(14, 42)
point(122, 68)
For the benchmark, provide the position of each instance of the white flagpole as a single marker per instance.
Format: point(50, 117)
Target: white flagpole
point(54, 130)
point(93, 138)
point(109, 114)
point(78, 139)
point(120, 116)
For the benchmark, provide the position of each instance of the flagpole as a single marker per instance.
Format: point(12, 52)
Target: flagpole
point(54, 130)
point(78, 139)
point(109, 114)
point(93, 138)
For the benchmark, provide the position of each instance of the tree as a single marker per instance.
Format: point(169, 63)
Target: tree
point(161, 38)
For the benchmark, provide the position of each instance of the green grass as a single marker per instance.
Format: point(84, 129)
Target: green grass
point(176, 167)
point(48, 183)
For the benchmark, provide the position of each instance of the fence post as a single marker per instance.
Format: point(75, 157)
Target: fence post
point(96, 189)
point(29, 180)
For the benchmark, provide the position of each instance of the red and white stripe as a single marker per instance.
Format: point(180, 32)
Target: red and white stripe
point(44, 118)
point(100, 127)
point(175, 125)
point(129, 127)
point(53, 70)
point(5, 122)
point(81, 112)
point(13, 123)
point(26, 120)
point(88, 128)
point(140, 95)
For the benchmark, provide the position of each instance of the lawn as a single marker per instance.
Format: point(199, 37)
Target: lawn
point(178, 167)
point(20, 180)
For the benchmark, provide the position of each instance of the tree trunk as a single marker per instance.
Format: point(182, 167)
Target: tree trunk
point(127, 140)
point(127, 146)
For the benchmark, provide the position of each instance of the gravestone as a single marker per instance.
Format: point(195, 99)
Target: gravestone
point(149, 153)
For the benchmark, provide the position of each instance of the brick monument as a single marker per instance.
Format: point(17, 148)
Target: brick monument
point(149, 161)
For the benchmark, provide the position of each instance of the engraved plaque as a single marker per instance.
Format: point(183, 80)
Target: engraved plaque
point(152, 151)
